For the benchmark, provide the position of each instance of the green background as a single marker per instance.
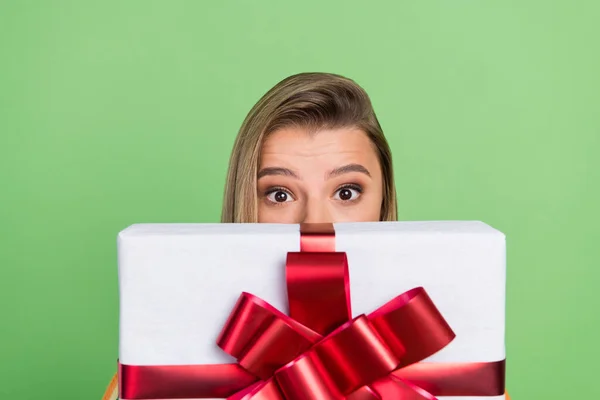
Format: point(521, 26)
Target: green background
point(118, 112)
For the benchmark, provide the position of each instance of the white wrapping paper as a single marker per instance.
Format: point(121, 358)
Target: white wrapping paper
point(179, 282)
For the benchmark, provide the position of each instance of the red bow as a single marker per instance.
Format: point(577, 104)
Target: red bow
point(318, 352)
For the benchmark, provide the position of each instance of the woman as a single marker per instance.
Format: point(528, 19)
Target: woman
point(311, 150)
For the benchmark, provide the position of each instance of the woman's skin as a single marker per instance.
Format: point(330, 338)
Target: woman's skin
point(324, 176)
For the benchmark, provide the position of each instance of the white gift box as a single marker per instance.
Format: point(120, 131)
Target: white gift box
point(179, 282)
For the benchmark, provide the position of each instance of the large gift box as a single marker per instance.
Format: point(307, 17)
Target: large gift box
point(272, 311)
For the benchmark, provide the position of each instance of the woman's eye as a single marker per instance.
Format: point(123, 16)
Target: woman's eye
point(279, 196)
point(346, 194)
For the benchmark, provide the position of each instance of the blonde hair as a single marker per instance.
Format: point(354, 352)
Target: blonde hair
point(308, 100)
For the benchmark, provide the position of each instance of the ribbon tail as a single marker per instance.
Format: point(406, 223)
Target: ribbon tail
point(364, 393)
point(182, 381)
point(456, 379)
point(392, 388)
point(264, 390)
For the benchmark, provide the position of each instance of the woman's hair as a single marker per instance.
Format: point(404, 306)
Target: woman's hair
point(313, 101)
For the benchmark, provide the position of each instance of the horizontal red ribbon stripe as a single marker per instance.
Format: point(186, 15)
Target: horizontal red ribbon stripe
point(224, 380)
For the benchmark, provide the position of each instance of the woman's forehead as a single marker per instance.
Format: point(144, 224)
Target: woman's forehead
point(325, 143)
point(329, 153)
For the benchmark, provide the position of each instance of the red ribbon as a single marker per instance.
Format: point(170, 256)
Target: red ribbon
point(319, 351)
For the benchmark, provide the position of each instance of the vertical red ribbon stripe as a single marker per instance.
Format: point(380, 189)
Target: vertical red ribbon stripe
point(318, 238)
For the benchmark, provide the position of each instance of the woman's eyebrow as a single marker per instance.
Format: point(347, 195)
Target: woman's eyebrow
point(269, 171)
point(348, 168)
point(280, 171)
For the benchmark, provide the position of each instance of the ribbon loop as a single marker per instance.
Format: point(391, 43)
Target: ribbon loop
point(262, 338)
point(355, 355)
point(411, 323)
point(318, 290)
point(306, 378)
